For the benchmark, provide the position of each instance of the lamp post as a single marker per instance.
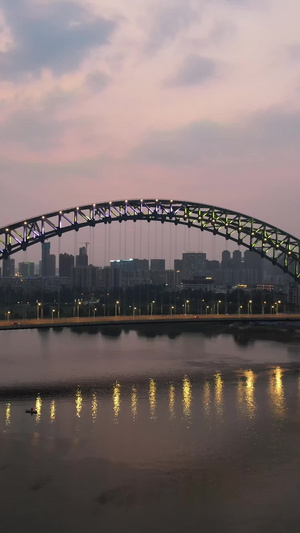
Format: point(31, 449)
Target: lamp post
point(52, 313)
point(38, 306)
point(263, 308)
point(187, 307)
point(277, 306)
point(218, 306)
point(133, 311)
point(250, 307)
point(151, 307)
point(172, 309)
point(272, 309)
point(202, 302)
point(94, 311)
point(240, 309)
point(7, 316)
point(117, 308)
point(78, 308)
point(206, 309)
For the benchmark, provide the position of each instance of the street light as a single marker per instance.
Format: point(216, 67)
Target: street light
point(277, 306)
point(133, 311)
point(263, 308)
point(172, 308)
point(218, 306)
point(78, 308)
point(7, 316)
point(52, 313)
point(38, 306)
point(187, 306)
point(117, 308)
point(151, 307)
point(240, 309)
point(94, 311)
point(250, 307)
point(206, 309)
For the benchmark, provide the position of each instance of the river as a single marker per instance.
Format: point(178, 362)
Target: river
point(151, 428)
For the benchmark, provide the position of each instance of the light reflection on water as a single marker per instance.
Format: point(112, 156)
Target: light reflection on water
point(276, 392)
point(7, 414)
point(172, 401)
point(38, 408)
point(116, 400)
point(246, 382)
point(52, 411)
point(246, 393)
point(219, 393)
point(187, 397)
point(94, 406)
point(134, 402)
point(152, 398)
point(78, 402)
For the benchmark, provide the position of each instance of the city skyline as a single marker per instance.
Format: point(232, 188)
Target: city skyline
point(220, 124)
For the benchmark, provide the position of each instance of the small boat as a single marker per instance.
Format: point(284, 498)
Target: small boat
point(31, 411)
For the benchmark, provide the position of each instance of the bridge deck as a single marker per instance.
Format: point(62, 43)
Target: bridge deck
point(144, 319)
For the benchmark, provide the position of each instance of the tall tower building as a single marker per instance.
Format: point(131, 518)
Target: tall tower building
point(48, 261)
point(82, 259)
point(193, 265)
point(8, 268)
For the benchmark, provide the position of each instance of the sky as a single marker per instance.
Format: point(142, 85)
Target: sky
point(185, 99)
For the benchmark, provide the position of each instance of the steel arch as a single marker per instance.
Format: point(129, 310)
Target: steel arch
point(268, 241)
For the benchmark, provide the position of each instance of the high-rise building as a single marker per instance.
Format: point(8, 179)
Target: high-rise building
point(45, 258)
point(157, 265)
point(158, 271)
point(26, 270)
point(82, 259)
point(193, 265)
point(48, 261)
point(66, 265)
point(8, 268)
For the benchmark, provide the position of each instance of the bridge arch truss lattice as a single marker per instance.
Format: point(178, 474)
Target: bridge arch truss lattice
point(272, 243)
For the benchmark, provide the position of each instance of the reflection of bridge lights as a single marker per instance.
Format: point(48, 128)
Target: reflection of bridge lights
point(219, 393)
point(245, 393)
point(152, 398)
point(134, 402)
point(116, 399)
point(187, 397)
point(38, 408)
point(172, 401)
point(94, 406)
point(7, 414)
point(52, 411)
point(276, 391)
point(206, 397)
point(250, 389)
point(78, 402)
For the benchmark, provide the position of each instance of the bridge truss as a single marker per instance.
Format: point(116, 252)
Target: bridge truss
point(279, 247)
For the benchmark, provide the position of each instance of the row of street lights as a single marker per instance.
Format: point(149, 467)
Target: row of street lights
point(274, 309)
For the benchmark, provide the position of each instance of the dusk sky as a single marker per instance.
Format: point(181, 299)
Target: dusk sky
point(106, 99)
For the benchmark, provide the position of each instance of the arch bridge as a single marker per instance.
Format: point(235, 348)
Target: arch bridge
point(272, 243)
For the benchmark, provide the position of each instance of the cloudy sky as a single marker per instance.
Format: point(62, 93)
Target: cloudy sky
point(187, 99)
